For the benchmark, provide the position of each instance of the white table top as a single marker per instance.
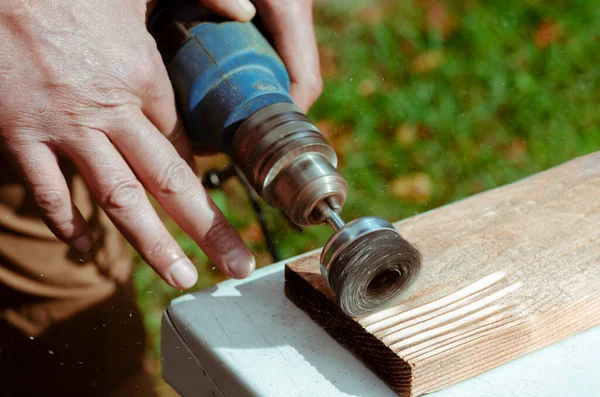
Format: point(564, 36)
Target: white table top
point(253, 341)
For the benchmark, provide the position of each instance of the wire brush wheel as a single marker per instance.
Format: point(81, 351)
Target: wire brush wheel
point(371, 266)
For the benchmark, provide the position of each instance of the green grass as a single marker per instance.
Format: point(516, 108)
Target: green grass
point(468, 105)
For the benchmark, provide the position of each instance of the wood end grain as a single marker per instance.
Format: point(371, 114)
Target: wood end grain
point(394, 371)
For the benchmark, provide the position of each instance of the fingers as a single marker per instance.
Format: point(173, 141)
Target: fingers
point(291, 25)
point(49, 189)
point(180, 193)
point(123, 198)
point(238, 10)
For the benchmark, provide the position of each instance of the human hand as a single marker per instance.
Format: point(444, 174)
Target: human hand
point(84, 80)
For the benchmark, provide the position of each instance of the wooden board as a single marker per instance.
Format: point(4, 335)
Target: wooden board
point(505, 272)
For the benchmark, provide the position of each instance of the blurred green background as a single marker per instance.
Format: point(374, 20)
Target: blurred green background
point(426, 102)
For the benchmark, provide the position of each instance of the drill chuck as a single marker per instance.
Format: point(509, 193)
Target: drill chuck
point(289, 163)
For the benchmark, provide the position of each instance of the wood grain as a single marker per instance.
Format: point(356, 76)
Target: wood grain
point(505, 272)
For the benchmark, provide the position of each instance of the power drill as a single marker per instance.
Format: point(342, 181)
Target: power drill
point(232, 91)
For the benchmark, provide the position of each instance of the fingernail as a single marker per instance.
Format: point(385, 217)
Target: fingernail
point(240, 263)
point(83, 243)
point(183, 274)
point(248, 7)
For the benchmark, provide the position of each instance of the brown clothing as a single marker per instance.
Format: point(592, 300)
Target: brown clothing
point(69, 324)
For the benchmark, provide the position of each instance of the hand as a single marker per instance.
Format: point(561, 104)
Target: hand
point(83, 80)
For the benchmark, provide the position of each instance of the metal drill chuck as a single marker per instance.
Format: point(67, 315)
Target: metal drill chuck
point(288, 162)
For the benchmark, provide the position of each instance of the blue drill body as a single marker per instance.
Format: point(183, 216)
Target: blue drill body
point(222, 73)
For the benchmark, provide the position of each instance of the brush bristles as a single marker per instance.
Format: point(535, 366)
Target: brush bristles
point(372, 271)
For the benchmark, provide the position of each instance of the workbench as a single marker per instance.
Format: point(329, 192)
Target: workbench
point(245, 338)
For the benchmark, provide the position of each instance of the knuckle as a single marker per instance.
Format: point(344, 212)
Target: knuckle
point(106, 100)
point(145, 75)
point(220, 235)
point(66, 228)
point(176, 179)
point(49, 200)
point(126, 114)
point(160, 245)
point(15, 139)
point(124, 194)
point(149, 67)
point(313, 86)
point(19, 126)
point(316, 85)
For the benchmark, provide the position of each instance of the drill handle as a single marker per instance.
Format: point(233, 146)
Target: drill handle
point(222, 71)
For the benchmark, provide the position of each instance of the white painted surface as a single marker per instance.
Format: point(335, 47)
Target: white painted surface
point(253, 341)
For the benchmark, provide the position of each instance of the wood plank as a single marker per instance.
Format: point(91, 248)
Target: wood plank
point(505, 272)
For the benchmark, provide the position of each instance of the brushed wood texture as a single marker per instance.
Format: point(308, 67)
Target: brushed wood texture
point(505, 272)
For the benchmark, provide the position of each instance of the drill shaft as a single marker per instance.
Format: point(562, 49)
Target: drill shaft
point(334, 220)
point(326, 211)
